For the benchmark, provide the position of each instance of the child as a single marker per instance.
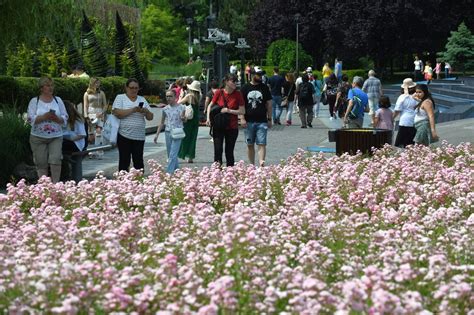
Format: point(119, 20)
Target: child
point(383, 116)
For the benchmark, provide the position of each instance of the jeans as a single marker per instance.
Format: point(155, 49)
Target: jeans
point(130, 150)
point(172, 150)
point(230, 137)
point(256, 132)
point(289, 110)
point(316, 105)
point(276, 107)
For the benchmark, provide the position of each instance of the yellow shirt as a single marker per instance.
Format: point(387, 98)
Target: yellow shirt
point(326, 72)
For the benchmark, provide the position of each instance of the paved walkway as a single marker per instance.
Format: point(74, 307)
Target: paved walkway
point(282, 141)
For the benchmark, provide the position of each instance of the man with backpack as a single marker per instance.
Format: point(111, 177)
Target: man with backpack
point(305, 92)
point(358, 104)
point(257, 118)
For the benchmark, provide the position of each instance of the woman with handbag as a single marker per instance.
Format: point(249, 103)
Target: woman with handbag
point(288, 100)
point(232, 104)
point(191, 126)
point(132, 110)
point(173, 117)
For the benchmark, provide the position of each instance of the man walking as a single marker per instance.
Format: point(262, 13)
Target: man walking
point(358, 100)
point(276, 83)
point(257, 118)
point(373, 87)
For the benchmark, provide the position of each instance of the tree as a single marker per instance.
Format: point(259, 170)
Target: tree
point(163, 34)
point(94, 57)
point(460, 49)
point(282, 53)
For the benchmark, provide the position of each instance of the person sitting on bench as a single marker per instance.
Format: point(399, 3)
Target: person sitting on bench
point(74, 140)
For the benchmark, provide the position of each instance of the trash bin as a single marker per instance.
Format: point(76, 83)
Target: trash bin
point(361, 139)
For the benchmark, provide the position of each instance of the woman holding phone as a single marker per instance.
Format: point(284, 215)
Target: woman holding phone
point(132, 110)
point(47, 116)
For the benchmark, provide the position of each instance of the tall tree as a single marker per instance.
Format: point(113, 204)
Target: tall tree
point(94, 57)
point(460, 49)
point(163, 34)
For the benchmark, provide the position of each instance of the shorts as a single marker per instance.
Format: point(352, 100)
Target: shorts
point(256, 132)
point(373, 105)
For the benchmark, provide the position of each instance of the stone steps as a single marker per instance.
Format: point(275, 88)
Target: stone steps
point(455, 93)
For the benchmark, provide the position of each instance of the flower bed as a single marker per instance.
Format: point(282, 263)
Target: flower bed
point(392, 234)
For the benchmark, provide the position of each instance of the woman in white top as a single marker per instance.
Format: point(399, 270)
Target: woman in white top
point(74, 139)
point(95, 107)
point(173, 117)
point(405, 107)
point(47, 116)
point(424, 116)
point(132, 110)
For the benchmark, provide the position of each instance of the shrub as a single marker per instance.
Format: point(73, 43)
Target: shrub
point(282, 53)
point(15, 148)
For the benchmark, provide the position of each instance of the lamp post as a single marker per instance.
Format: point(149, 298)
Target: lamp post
point(189, 21)
point(297, 20)
point(242, 44)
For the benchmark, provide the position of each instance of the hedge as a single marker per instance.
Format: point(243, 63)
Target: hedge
point(18, 91)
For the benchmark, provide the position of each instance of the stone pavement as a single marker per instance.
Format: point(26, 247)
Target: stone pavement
point(282, 141)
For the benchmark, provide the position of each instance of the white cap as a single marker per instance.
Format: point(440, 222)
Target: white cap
point(309, 69)
point(257, 69)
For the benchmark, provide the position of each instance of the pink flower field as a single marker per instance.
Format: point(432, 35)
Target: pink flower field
point(389, 234)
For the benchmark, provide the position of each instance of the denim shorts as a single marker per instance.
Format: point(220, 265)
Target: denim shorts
point(256, 132)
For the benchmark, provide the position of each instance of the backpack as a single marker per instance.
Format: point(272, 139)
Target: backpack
point(305, 91)
point(356, 104)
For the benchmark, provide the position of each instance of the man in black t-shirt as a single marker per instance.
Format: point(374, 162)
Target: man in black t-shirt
point(257, 118)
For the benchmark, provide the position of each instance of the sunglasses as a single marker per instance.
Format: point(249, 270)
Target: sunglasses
point(170, 96)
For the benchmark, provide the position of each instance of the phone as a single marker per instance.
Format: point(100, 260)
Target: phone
point(52, 111)
point(140, 104)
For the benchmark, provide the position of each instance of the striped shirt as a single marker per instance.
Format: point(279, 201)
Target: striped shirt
point(372, 86)
point(133, 126)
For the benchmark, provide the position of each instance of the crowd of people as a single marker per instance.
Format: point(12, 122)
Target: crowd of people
point(58, 128)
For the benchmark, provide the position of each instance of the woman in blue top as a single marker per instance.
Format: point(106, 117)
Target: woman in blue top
point(173, 117)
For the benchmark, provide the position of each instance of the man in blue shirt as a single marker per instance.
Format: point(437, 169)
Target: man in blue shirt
point(358, 104)
point(275, 83)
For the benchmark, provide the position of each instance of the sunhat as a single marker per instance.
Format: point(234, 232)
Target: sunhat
point(408, 83)
point(194, 86)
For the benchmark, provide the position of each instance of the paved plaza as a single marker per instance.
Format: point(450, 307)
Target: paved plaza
point(283, 141)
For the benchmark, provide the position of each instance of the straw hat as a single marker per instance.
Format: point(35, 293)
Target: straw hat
point(194, 86)
point(408, 83)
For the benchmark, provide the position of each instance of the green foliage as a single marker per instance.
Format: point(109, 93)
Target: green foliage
point(163, 35)
point(165, 71)
point(15, 148)
point(18, 91)
point(282, 53)
point(123, 46)
point(460, 49)
point(94, 57)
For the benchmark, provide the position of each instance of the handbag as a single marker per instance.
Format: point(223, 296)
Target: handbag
point(284, 101)
point(189, 112)
point(219, 120)
point(110, 130)
point(324, 98)
point(177, 133)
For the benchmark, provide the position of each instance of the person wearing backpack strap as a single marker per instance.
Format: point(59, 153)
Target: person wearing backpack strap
point(305, 92)
point(358, 104)
point(47, 116)
point(231, 102)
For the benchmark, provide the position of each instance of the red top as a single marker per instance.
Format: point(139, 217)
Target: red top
point(234, 101)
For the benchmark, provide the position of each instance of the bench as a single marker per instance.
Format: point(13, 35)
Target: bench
point(72, 162)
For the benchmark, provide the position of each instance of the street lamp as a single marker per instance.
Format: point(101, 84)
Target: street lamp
point(242, 44)
point(297, 20)
point(189, 21)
